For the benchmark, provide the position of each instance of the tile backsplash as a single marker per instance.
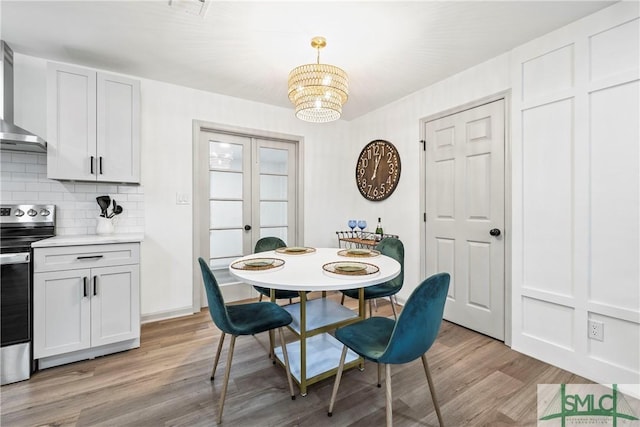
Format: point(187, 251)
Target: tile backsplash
point(23, 179)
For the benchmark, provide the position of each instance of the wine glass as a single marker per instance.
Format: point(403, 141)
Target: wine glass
point(362, 224)
point(352, 224)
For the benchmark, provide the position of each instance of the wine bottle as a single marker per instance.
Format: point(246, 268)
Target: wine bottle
point(379, 231)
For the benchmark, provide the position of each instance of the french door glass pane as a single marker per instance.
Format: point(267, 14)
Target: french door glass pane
point(225, 243)
point(225, 214)
point(225, 206)
point(225, 185)
point(280, 232)
point(225, 156)
point(220, 267)
point(273, 161)
point(273, 214)
point(273, 187)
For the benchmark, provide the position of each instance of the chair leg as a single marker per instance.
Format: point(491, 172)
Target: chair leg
point(271, 354)
point(226, 378)
point(215, 362)
point(388, 395)
point(370, 309)
point(260, 299)
point(342, 300)
point(432, 389)
point(337, 383)
point(379, 374)
point(286, 362)
point(393, 307)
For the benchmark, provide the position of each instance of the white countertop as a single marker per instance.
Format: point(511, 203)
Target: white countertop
point(89, 239)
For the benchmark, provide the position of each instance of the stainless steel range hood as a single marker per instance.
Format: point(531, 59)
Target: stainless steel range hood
point(12, 137)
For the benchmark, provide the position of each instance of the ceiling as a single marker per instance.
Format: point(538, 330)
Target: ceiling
point(246, 49)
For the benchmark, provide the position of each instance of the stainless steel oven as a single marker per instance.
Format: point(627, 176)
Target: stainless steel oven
point(20, 225)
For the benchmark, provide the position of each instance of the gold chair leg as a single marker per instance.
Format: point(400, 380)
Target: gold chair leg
point(388, 399)
point(432, 389)
point(226, 378)
point(393, 307)
point(215, 362)
point(286, 362)
point(337, 383)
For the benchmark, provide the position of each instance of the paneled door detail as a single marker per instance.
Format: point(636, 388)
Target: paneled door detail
point(251, 194)
point(464, 174)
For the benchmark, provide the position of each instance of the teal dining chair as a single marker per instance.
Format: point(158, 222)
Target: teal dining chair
point(270, 244)
point(391, 247)
point(388, 342)
point(242, 319)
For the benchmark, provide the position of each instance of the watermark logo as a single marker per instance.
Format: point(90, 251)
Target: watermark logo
point(586, 404)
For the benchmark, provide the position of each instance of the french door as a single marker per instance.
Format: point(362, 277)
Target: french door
point(251, 192)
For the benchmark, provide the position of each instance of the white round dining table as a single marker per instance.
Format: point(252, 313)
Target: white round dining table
point(316, 354)
point(304, 272)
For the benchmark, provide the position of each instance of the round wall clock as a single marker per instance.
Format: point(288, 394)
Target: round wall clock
point(378, 170)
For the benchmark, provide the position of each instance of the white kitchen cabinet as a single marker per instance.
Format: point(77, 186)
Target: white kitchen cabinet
point(86, 301)
point(93, 125)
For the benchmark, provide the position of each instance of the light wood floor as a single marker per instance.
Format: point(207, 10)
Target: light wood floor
point(479, 382)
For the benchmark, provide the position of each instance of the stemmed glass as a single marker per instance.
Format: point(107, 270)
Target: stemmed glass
point(362, 224)
point(352, 224)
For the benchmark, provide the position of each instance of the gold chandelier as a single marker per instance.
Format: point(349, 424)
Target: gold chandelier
point(318, 91)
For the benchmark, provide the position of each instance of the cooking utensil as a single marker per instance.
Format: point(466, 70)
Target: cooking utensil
point(103, 202)
point(117, 210)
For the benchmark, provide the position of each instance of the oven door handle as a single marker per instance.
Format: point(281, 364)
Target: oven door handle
point(19, 258)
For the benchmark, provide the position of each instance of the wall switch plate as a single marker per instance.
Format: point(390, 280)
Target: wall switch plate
point(596, 330)
point(182, 199)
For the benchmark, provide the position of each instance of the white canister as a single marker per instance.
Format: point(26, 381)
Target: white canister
point(105, 225)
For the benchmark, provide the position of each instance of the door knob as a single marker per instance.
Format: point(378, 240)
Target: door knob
point(247, 227)
point(495, 232)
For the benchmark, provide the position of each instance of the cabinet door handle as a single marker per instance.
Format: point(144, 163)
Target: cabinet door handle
point(90, 257)
point(100, 164)
point(84, 287)
point(95, 285)
point(91, 165)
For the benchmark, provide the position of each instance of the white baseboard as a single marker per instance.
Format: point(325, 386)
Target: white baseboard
point(166, 314)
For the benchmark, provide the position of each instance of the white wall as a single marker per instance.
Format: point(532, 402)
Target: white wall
point(576, 196)
point(575, 189)
point(167, 114)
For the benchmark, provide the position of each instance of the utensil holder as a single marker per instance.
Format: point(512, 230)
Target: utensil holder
point(105, 225)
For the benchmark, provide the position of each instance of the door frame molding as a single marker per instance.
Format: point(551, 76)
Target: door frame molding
point(506, 96)
point(198, 190)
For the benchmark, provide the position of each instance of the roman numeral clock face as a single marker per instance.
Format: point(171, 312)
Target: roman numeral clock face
point(378, 170)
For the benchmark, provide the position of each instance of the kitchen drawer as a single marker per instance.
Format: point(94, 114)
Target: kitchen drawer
point(89, 256)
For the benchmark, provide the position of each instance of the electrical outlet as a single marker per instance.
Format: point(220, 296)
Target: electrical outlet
point(596, 330)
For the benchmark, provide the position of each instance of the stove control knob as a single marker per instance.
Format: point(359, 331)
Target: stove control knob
point(45, 212)
point(32, 212)
point(19, 212)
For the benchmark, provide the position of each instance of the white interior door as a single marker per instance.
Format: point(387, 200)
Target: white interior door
point(251, 193)
point(465, 209)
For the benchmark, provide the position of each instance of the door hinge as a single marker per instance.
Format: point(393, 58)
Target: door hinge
point(424, 144)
